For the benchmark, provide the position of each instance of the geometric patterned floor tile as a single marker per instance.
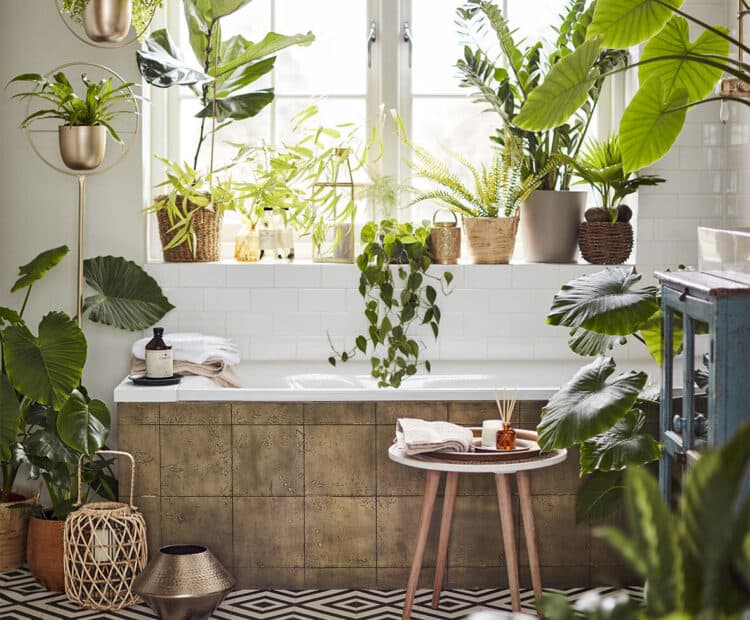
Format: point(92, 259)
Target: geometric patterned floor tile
point(22, 598)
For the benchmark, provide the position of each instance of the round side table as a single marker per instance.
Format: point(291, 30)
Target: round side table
point(502, 470)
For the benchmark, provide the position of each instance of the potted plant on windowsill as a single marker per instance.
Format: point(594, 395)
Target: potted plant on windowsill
point(550, 215)
point(86, 120)
point(224, 84)
point(109, 20)
point(606, 237)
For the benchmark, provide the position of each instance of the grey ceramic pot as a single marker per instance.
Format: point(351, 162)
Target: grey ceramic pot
point(549, 225)
point(184, 582)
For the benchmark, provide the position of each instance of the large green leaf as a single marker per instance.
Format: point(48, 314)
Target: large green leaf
point(606, 302)
point(622, 445)
point(564, 90)
point(674, 41)
point(244, 75)
point(209, 10)
point(47, 367)
point(651, 123)
point(10, 419)
point(127, 297)
point(8, 315)
point(161, 63)
point(238, 107)
point(651, 334)
point(271, 44)
point(588, 343)
point(82, 425)
point(46, 451)
point(622, 23)
point(588, 404)
point(599, 496)
point(34, 270)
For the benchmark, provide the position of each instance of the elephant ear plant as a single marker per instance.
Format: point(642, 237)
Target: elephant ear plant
point(47, 419)
point(398, 299)
point(675, 74)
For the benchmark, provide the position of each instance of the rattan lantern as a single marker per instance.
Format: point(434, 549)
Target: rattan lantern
point(105, 549)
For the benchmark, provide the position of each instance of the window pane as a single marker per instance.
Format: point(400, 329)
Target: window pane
point(332, 112)
point(533, 20)
point(437, 47)
point(336, 61)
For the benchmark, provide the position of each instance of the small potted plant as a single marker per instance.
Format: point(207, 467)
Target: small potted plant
point(606, 237)
point(86, 119)
point(108, 21)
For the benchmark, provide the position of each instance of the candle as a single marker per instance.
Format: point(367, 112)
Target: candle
point(489, 432)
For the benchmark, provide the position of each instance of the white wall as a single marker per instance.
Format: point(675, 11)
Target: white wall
point(38, 209)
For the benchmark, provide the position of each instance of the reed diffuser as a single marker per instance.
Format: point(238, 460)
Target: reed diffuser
point(506, 436)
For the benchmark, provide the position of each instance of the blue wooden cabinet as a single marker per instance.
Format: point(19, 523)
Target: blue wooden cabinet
point(723, 304)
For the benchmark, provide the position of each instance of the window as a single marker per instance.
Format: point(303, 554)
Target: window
point(421, 82)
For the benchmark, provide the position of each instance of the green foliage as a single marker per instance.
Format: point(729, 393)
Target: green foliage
point(142, 11)
point(33, 271)
point(398, 299)
point(508, 86)
point(101, 104)
point(675, 74)
point(599, 496)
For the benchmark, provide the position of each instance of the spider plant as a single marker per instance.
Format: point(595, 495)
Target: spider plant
point(99, 106)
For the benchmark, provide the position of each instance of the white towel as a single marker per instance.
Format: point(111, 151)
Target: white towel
point(195, 348)
point(416, 436)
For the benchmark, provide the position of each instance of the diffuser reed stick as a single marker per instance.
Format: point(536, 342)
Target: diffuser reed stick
point(506, 436)
point(507, 405)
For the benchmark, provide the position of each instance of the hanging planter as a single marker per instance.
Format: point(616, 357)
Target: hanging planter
point(82, 147)
point(107, 21)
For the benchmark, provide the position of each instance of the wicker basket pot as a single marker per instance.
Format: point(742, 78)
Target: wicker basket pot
point(489, 240)
point(14, 525)
point(44, 553)
point(605, 243)
point(207, 228)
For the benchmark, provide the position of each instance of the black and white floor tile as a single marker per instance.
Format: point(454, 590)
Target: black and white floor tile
point(22, 598)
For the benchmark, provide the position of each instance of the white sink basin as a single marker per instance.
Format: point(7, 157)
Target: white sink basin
point(726, 251)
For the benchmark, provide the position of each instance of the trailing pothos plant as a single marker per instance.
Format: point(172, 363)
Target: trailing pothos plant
point(695, 561)
point(399, 295)
point(47, 419)
point(505, 84)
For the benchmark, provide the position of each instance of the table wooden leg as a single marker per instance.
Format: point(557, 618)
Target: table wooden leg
point(449, 500)
point(425, 516)
point(509, 538)
point(527, 512)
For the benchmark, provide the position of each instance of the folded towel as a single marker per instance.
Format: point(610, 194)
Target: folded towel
point(195, 348)
point(416, 436)
point(216, 369)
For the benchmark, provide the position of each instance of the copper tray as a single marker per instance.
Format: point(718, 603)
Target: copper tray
point(526, 442)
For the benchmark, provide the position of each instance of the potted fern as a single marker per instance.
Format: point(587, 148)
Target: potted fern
point(489, 213)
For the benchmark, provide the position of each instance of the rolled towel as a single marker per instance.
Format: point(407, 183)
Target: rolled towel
point(216, 370)
point(195, 348)
point(416, 436)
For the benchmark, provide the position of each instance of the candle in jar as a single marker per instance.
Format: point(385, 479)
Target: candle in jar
point(489, 432)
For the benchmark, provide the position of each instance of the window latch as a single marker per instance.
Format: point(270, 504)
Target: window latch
point(372, 36)
point(408, 39)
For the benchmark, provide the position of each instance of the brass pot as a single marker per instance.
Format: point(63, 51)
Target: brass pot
point(445, 240)
point(184, 582)
point(107, 21)
point(82, 147)
point(44, 553)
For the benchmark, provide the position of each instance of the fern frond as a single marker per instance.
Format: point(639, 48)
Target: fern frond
point(447, 199)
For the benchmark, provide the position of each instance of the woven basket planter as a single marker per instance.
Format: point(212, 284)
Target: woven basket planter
point(44, 553)
point(14, 525)
point(489, 240)
point(207, 228)
point(605, 243)
point(105, 549)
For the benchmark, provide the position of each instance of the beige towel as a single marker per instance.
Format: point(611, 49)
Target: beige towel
point(214, 369)
point(416, 436)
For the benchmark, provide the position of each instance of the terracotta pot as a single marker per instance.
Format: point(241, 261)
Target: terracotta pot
point(14, 525)
point(489, 240)
point(44, 553)
point(82, 147)
point(549, 225)
point(107, 21)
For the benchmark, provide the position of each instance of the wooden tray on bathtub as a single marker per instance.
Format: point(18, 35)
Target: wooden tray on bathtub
point(526, 447)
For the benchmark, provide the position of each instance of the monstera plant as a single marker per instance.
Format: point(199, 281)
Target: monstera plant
point(47, 419)
point(675, 74)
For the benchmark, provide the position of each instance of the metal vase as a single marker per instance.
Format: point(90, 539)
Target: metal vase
point(107, 21)
point(184, 582)
point(82, 147)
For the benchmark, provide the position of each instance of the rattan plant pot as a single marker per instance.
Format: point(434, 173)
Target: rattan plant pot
point(605, 243)
point(105, 549)
point(489, 240)
point(14, 526)
point(207, 228)
point(44, 553)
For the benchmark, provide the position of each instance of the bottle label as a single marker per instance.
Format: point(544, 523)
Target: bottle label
point(159, 364)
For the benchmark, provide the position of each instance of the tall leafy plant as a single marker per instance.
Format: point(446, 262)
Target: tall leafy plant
point(675, 74)
point(505, 84)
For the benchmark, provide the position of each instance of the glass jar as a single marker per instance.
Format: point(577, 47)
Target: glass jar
point(275, 237)
point(247, 244)
point(506, 438)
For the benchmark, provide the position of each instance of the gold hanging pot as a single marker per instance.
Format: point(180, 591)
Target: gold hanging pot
point(107, 21)
point(445, 240)
point(82, 147)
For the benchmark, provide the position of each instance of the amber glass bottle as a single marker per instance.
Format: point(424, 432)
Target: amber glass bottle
point(506, 438)
point(159, 363)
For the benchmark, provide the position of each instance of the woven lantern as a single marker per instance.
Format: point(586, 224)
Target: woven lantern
point(105, 549)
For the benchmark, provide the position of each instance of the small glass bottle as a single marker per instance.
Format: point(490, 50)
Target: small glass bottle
point(159, 363)
point(505, 438)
